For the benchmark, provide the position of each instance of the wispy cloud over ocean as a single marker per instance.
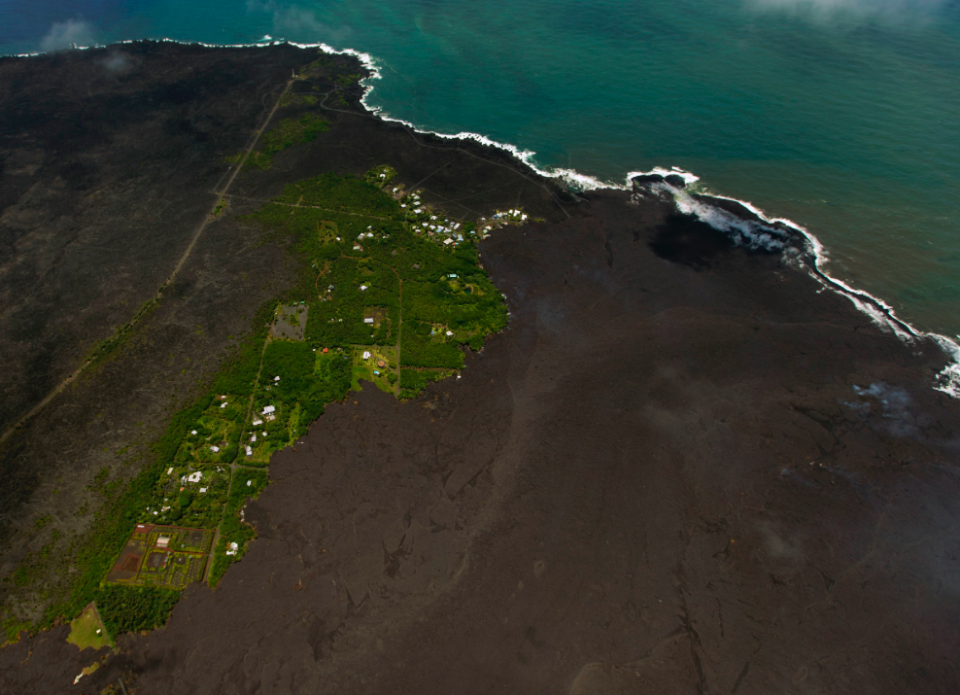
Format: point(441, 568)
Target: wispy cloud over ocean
point(299, 24)
point(73, 32)
point(825, 10)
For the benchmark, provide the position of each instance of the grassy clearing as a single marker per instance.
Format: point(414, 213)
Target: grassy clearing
point(86, 630)
point(287, 133)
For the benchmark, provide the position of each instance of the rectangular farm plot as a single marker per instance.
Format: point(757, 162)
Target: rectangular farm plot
point(163, 556)
point(374, 363)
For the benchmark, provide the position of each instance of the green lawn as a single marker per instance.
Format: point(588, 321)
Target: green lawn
point(84, 630)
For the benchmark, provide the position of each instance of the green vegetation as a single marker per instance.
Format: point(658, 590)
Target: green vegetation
point(413, 381)
point(391, 290)
point(347, 80)
point(288, 132)
point(380, 176)
point(295, 99)
point(86, 630)
point(108, 346)
point(234, 534)
point(134, 608)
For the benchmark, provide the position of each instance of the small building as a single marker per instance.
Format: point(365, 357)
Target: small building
point(215, 449)
point(163, 541)
point(368, 320)
point(366, 355)
point(258, 421)
point(269, 409)
point(249, 451)
point(195, 477)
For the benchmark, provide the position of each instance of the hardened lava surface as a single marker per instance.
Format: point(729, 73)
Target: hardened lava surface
point(683, 472)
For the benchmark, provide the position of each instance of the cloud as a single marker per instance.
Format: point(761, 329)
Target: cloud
point(851, 9)
point(73, 32)
point(117, 63)
point(298, 24)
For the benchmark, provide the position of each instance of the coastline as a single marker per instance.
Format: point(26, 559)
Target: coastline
point(571, 428)
point(815, 258)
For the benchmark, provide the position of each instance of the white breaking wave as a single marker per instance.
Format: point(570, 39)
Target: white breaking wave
point(748, 233)
point(754, 235)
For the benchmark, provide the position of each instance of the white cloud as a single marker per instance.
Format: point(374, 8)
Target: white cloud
point(303, 25)
point(852, 9)
point(298, 24)
point(73, 32)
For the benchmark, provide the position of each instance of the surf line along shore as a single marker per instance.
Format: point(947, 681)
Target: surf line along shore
point(680, 465)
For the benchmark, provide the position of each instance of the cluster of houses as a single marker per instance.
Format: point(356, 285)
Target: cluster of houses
point(500, 218)
point(438, 228)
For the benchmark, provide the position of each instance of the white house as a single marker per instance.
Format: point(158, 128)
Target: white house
point(269, 409)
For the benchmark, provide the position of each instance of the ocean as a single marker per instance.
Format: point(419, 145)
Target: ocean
point(840, 115)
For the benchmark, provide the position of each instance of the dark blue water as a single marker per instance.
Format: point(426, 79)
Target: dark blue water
point(843, 115)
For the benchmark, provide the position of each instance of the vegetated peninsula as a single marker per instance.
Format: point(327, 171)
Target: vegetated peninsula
point(265, 383)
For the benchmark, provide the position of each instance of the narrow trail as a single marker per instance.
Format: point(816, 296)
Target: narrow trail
point(309, 207)
point(234, 465)
point(173, 275)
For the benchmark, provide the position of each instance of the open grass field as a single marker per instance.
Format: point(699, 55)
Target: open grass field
point(87, 630)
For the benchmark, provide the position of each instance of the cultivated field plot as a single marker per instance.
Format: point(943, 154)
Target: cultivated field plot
point(162, 556)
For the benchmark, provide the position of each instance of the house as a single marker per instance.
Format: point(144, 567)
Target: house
point(163, 541)
point(447, 241)
point(366, 355)
point(368, 320)
point(269, 409)
point(195, 477)
point(249, 451)
point(215, 449)
point(257, 422)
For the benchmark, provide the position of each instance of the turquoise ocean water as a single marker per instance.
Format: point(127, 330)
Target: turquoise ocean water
point(842, 115)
